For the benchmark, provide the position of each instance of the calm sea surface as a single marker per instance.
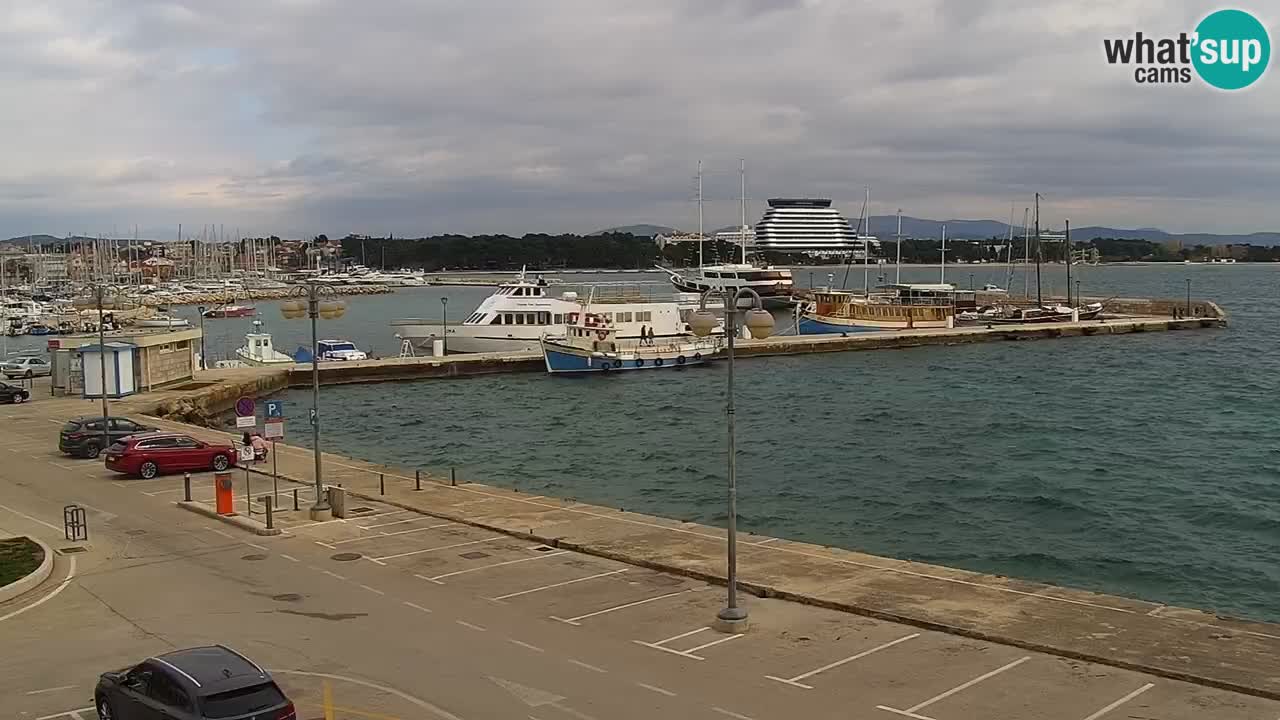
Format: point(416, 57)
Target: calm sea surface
point(1143, 465)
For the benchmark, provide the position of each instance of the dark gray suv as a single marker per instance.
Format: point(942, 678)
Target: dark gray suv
point(204, 683)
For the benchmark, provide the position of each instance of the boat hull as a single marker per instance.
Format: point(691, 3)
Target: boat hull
point(836, 326)
point(565, 359)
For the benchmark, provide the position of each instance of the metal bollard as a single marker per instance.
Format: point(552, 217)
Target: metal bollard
point(453, 476)
point(270, 516)
point(186, 486)
point(295, 498)
point(382, 484)
point(417, 479)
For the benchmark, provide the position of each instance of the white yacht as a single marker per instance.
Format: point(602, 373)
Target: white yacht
point(519, 313)
point(774, 285)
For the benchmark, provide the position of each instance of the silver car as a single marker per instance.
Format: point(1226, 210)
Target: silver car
point(25, 367)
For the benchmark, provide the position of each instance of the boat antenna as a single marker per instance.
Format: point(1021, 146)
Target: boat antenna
point(866, 246)
point(742, 235)
point(1067, 242)
point(701, 237)
point(1039, 297)
point(898, 276)
point(943, 265)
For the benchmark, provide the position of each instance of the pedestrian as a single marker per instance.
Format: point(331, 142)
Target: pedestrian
point(259, 447)
point(643, 330)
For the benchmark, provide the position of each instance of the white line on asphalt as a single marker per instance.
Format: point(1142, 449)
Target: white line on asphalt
point(416, 606)
point(666, 649)
point(559, 584)
point(324, 544)
point(796, 680)
point(765, 541)
point(535, 648)
point(55, 528)
point(438, 578)
point(1121, 701)
point(903, 712)
point(223, 533)
point(373, 590)
point(731, 714)
point(656, 689)
point(381, 688)
point(172, 490)
point(71, 573)
point(681, 635)
point(724, 639)
point(442, 547)
point(588, 666)
point(575, 620)
point(69, 713)
point(464, 623)
point(58, 464)
point(331, 573)
point(964, 686)
point(49, 690)
point(290, 558)
point(387, 534)
point(255, 545)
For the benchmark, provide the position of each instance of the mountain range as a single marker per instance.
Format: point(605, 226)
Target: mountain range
point(884, 226)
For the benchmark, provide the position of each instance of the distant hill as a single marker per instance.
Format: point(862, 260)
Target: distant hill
point(641, 230)
point(27, 241)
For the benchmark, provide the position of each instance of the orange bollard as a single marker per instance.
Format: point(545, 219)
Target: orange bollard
point(222, 486)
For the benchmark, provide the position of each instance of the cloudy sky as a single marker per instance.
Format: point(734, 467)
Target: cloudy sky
point(421, 117)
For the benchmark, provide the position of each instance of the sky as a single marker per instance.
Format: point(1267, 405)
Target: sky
point(414, 117)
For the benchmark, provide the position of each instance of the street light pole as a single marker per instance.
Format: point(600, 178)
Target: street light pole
point(102, 365)
point(315, 309)
point(204, 364)
point(444, 326)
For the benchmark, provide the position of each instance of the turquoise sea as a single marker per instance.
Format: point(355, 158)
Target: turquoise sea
point(1142, 465)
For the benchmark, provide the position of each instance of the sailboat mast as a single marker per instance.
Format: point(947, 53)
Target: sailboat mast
point(742, 235)
point(943, 265)
point(1068, 244)
point(898, 275)
point(701, 237)
point(1039, 298)
point(866, 245)
point(1026, 254)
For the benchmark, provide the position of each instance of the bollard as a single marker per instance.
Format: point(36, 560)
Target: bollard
point(295, 498)
point(417, 479)
point(186, 486)
point(270, 517)
point(453, 476)
point(382, 484)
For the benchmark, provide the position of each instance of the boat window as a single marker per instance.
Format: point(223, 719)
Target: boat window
point(497, 320)
point(646, 316)
point(559, 318)
point(519, 318)
point(624, 317)
point(537, 292)
point(544, 318)
point(509, 319)
point(571, 317)
point(712, 274)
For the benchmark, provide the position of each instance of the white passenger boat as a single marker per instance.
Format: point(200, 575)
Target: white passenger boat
point(519, 313)
point(591, 344)
point(259, 350)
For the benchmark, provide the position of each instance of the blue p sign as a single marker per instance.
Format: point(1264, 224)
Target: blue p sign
point(275, 408)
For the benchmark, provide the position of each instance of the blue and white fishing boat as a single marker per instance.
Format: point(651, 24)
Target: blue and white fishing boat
point(591, 344)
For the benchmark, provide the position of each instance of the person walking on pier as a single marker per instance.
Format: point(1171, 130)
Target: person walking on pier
point(643, 330)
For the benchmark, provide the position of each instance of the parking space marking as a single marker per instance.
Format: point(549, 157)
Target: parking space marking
point(662, 644)
point(438, 578)
point(51, 526)
point(1121, 701)
point(74, 714)
point(724, 639)
point(656, 689)
point(796, 680)
point(332, 574)
point(732, 714)
point(577, 620)
point(559, 584)
point(910, 712)
point(376, 591)
point(415, 606)
point(49, 690)
point(385, 534)
point(290, 558)
point(588, 666)
point(442, 547)
point(466, 624)
point(534, 648)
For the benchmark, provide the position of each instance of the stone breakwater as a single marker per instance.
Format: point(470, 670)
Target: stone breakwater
point(229, 296)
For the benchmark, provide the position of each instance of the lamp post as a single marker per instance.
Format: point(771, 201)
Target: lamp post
point(204, 365)
point(732, 618)
point(314, 308)
point(444, 326)
point(97, 302)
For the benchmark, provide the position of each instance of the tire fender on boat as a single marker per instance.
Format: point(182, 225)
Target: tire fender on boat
point(697, 357)
point(657, 361)
point(639, 362)
point(679, 359)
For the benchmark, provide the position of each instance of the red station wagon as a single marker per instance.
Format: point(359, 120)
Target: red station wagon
point(152, 453)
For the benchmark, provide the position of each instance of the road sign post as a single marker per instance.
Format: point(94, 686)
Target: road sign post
point(246, 412)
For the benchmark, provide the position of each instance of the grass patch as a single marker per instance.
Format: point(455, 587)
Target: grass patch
point(18, 558)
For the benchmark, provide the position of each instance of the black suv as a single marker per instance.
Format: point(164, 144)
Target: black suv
point(13, 393)
point(195, 684)
point(83, 436)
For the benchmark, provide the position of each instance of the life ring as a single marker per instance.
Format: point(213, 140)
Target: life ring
point(679, 359)
point(658, 362)
point(602, 334)
point(697, 357)
point(639, 362)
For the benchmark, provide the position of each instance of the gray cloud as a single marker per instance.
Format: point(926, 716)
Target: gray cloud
point(568, 115)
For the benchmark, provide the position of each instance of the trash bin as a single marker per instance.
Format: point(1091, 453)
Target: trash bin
point(338, 501)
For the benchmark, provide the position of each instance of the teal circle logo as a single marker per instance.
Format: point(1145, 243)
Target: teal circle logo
point(1232, 49)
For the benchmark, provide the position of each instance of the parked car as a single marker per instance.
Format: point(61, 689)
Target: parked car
point(26, 367)
point(13, 393)
point(194, 684)
point(149, 454)
point(83, 435)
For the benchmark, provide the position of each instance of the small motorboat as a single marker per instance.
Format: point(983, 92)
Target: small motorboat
point(259, 350)
point(231, 311)
point(163, 321)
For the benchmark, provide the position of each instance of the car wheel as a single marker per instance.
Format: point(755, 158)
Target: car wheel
point(148, 470)
point(92, 450)
point(29, 375)
point(220, 462)
point(104, 710)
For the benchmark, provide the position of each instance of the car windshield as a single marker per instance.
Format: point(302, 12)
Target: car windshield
point(243, 701)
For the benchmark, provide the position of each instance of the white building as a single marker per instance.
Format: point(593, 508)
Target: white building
point(809, 224)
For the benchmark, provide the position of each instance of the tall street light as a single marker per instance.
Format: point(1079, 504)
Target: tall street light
point(314, 308)
point(97, 302)
point(204, 365)
point(732, 618)
point(444, 326)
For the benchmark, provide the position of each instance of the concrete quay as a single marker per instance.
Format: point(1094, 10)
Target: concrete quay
point(1171, 642)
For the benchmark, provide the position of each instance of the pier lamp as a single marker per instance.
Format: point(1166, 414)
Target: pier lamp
point(732, 618)
point(204, 364)
point(444, 326)
point(294, 307)
point(96, 302)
